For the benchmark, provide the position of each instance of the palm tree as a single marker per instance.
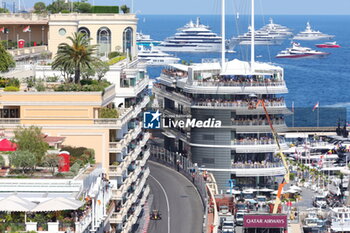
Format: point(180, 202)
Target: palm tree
point(76, 57)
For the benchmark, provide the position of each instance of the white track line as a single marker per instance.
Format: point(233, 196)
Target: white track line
point(166, 199)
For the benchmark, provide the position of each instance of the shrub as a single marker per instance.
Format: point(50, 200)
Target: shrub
point(40, 86)
point(105, 9)
point(2, 161)
point(52, 79)
point(116, 60)
point(114, 54)
point(75, 168)
point(11, 88)
point(108, 113)
point(13, 82)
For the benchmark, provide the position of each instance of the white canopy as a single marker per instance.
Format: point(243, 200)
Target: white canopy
point(57, 204)
point(233, 191)
point(265, 190)
point(16, 204)
point(294, 187)
point(237, 67)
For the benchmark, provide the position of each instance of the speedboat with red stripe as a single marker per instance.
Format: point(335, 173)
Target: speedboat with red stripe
point(328, 45)
point(297, 51)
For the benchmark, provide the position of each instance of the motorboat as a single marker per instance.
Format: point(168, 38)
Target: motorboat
point(314, 223)
point(153, 56)
point(310, 34)
point(296, 51)
point(328, 45)
point(193, 37)
point(340, 219)
point(145, 40)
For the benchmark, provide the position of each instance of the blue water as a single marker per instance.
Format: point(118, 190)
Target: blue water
point(309, 80)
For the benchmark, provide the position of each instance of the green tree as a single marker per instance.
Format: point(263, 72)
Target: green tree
point(31, 139)
point(101, 69)
point(2, 161)
point(77, 56)
point(39, 8)
point(24, 160)
point(82, 7)
point(4, 10)
point(58, 6)
point(125, 9)
point(52, 161)
point(6, 60)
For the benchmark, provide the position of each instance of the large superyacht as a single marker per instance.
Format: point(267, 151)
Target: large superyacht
point(193, 37)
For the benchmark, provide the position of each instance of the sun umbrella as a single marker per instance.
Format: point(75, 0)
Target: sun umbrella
point(295, 188)
point(6, 145)
point(57, 204)
point(14, 203)
point(266, 190)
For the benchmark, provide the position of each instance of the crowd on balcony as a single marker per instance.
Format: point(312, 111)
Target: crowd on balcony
point(239, 80)
point(255, 164)
point(175, 73)
point(254, 120)
point(237, 103)
point(254, 141)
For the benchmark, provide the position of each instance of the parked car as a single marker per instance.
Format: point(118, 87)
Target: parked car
point(320, 202)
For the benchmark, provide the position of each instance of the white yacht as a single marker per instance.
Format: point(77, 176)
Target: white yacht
point(155, 57)
point(262, 37)
point(310, 34)
point(340, 219)
point(193, 37)
point(296, 51)
point(145, 40)
point(276, 30)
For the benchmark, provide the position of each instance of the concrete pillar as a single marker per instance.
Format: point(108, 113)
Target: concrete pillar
point(52, 227)
point(31, 226)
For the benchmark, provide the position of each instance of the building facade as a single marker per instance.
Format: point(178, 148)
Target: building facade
point(111, 32)
point(120, 143)
point(243, 148)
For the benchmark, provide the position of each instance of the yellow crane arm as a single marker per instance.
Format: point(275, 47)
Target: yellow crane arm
point(280, 154)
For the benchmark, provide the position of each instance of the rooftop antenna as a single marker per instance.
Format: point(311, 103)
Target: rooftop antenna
point(252, 48)
point(223, 48)
point(19, 5)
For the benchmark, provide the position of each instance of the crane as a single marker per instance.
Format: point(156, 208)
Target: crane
point(279, 153)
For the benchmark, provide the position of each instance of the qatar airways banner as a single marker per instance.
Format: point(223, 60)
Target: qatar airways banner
point(265, 221)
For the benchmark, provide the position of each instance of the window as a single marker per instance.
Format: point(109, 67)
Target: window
point(62, 31)
point(85, 31)
point(127, 40)
point(104, 40)
point(208, 160)
point(208, 137)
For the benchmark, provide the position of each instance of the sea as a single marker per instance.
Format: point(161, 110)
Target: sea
point(321, 80)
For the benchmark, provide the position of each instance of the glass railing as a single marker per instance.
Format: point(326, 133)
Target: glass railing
point(255, 141)
point(247, 83)
point(257, 122)
point(252, 165)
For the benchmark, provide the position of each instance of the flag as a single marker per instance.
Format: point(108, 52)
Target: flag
point(26, 29)
point(316, 106)
point(2, 29)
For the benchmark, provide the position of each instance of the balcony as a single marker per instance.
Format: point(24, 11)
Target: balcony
point(118, 170)
point(258, 169)
point(171, 95)
point(257, 145)
point(133, 90)
point(117, 193)
point(117, 147)
point(235, 87)
point(125, 115)
point(258, 125)
point(144, 158)
point(138, 108)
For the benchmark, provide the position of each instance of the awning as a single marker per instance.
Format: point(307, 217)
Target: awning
point(14, 203)
point(6, 145)
point(57, 204)
point(296, 135)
